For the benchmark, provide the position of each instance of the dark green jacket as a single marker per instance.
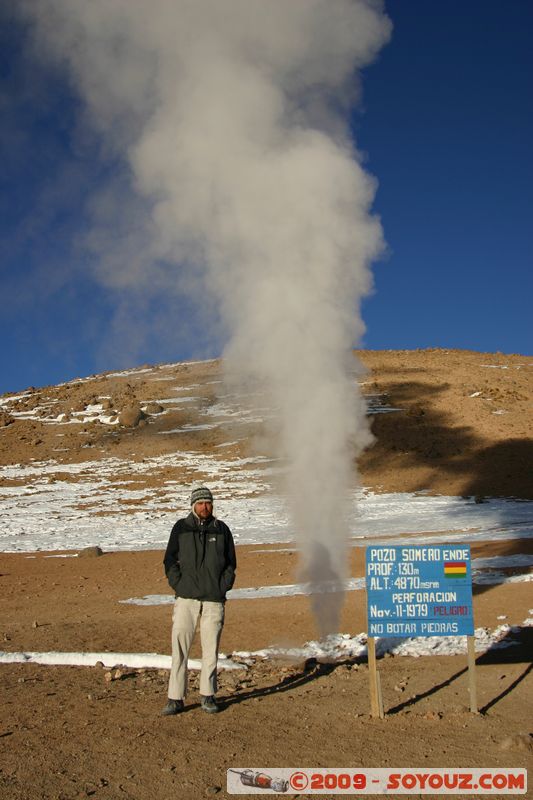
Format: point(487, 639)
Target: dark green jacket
point(200, 559)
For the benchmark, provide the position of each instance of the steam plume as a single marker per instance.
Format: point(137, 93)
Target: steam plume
point(232, 117)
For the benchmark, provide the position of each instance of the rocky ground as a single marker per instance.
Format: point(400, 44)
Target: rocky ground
point(464, 427)
point(69, 732)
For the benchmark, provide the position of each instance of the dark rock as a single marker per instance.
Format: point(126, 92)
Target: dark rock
point(90, 552)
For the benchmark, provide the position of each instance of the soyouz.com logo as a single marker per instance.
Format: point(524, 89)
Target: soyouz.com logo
point(259, 780)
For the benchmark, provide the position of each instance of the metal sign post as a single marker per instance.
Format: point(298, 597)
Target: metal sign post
point(418, 591)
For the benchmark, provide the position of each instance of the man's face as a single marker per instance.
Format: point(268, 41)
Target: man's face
point(203, 509)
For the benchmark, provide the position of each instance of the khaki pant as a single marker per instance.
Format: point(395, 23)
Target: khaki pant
point(184, 620)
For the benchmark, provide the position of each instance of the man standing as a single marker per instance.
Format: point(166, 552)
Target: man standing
point(200, 566)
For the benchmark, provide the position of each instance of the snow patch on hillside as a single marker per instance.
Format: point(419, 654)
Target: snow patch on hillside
point(118, 505)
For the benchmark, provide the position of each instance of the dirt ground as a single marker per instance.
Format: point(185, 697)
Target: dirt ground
point(465, 428)
point(68, 732)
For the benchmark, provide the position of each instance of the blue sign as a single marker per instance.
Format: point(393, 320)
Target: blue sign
point(419, 591)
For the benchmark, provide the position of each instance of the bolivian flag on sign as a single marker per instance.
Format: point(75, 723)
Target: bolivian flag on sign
point(455, 569)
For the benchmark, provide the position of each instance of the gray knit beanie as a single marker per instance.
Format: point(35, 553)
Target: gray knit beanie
point(199, 494)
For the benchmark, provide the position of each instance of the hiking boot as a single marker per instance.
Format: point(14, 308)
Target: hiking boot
point(172, 707)
point(209, 704)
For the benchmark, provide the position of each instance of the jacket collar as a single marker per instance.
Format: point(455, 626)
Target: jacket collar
point(193, 521)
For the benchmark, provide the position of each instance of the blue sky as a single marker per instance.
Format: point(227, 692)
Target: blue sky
point(446, 127)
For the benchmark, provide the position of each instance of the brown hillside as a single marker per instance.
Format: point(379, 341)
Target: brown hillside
point(463, 426)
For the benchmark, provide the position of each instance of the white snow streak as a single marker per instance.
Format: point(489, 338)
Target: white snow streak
point(345, 646)
point(131, 660)
point(479, 576)
point(335, 647)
